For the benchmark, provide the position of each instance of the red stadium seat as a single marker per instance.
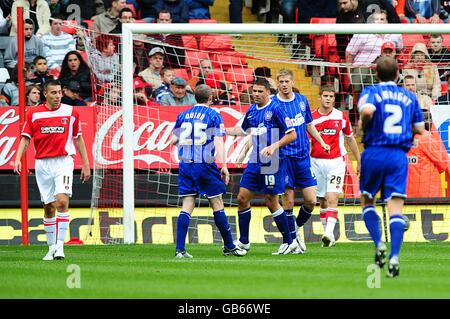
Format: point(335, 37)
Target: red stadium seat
point(202, 21)
point(446, 40)
point(321, 42)
point(189, 41)
point(224, 61)
point(181, 73)
point(90, 24)
point(193, 58)
point(240, 74)
point(69, 26)
point(215, 42)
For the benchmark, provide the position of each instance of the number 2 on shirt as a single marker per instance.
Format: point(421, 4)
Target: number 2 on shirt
point(390, 123)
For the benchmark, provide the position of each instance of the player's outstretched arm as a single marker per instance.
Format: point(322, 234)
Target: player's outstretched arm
point(366, 116)
point(288, 138)
point(315, 134)
point(355, 150)
point(86, 169)
point(234, 131)
point(221, 158)
point(23, 146)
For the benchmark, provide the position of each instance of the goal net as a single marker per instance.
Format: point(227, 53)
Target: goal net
point(135, 196)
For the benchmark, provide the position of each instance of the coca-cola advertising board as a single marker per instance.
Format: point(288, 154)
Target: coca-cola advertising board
point(103, 131)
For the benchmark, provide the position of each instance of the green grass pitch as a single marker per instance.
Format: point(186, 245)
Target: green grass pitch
point(151, 271)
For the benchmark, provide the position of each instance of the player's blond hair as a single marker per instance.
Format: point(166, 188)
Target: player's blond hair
point(285, 72)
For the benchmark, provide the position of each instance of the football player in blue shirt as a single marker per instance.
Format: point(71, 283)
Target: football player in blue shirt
point(300, 175)
point(198, 133)
point(390, 116)
point(271, 130)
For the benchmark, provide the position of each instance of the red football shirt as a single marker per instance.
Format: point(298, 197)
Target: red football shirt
point(332, 127)
point(52, 131)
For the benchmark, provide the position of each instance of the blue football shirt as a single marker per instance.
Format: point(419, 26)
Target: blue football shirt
point(298, 110)
point(267, 125)
point(396, 111)
point(196, 129)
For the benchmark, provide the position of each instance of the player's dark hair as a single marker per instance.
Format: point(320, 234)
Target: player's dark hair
point(56, 16)
point(202, 93)
point(327, 88)
point(387, 69)
point(51, 83)
point(263, 82)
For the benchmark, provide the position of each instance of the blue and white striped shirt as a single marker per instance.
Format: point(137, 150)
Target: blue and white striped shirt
point(396, 111)
point(298, 110)
point(195, 129)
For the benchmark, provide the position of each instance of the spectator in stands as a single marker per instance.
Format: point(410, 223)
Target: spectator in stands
point(360, 11)
point(107, 21)
point(152, 74)
point(6, 5)
point(439, 55)
point(104, 59)
point(174, 53)
point(87, 9)
point(125, 16)
point(36, 10)
point(364, 49)
point(178, 94)
point(111, 94)
point(427, 160)
point(148, 11)
point(40, 74)
point(167, 75)
point(423, 11)
point(199, 9)
point(221, 95)
point(33, 47)
point(5, 23)
point(206, 67)
point(140, 96)
point(425, 72)
point(445, 99)
point(444, 12)
point(33, 95)
point(265, 72)
point(178, 9)
point(57, 43)
point(409, 83)
point(74, 68)
point(10, 90)
point(235, 11)
point(246, 96)
point(57, 7)
point(72, 94)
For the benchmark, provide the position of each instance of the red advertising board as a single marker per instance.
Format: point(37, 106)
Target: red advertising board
point(102, 132)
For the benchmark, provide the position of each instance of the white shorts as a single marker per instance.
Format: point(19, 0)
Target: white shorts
point(330, 174)
point(54, 176)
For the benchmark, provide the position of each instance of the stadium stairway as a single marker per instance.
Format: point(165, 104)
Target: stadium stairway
point(219, 12)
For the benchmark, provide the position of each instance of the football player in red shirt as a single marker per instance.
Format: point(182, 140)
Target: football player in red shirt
point(329, 167)
point(54, 127)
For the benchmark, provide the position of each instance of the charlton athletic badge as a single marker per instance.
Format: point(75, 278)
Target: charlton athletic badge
point(64, 121)
point(268, 115)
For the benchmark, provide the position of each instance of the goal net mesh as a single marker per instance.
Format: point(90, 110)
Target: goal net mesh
point(229, 64)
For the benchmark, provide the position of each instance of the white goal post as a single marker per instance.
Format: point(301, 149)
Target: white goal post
point(128, 30)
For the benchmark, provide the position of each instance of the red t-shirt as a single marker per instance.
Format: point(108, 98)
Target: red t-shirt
point(331, 127)
point(52, 130)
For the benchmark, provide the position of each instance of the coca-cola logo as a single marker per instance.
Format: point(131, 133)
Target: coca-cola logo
point(7, 152)
point(152, 139)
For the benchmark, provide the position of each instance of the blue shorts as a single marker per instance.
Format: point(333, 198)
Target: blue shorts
point(200, 178)
point(255, 180)
point(385, 169)
point(299, 172)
